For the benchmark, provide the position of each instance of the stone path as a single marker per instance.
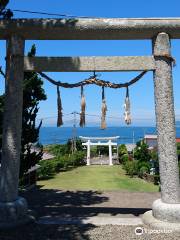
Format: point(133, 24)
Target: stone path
point(102, 161)
point(96, 221)
point(89, 207)
point(85, 232)
point(85, 204)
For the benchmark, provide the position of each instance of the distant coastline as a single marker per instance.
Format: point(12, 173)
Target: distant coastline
point(54, 135)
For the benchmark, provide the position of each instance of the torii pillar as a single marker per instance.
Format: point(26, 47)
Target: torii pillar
point(88, 153)
point(165, 212)
point(13, 209)
point(110, 153)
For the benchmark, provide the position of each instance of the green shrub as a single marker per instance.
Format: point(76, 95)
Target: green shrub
point(142, 170)
point(79, 145)
point(156, 179)
point(64, 161)
point(104, 150)
point(124, 158)
point(141, 152)
point(122, 153)
point(75, 159)
point(141, 164)
point(131, 168)
point(57, 149)
point(94, 152)
point(122, 149)
point(78, 158)
point(46, 170)
point(57, 164)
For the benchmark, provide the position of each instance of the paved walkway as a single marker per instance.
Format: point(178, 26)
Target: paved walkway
point(85, 204)
point(85, 232)
point(102, 161)
point(96, 221)
point(89, 207)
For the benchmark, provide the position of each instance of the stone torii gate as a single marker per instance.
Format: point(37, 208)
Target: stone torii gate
point(165, 211)
point(96, 141)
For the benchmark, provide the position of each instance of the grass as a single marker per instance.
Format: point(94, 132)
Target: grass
point(97, 178)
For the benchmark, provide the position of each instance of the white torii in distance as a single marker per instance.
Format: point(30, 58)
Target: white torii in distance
point(90, 142)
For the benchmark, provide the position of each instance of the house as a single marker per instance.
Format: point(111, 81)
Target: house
point(130, 147)
point(151, 140)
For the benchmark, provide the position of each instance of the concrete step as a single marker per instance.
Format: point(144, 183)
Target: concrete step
point(98, 221)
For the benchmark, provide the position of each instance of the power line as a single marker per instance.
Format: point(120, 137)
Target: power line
point(52, 14)
point(99, 116)
point(96, 115)
point(52, 117)
point(73, 16)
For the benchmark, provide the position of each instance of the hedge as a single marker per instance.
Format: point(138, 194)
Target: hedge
point(48, 168)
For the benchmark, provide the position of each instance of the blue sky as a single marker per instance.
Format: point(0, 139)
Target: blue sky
point(142, 93)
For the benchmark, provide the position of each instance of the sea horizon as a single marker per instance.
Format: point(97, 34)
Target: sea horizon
point(127, 134)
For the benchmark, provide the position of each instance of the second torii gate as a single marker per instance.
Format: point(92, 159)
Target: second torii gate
point(96, 141)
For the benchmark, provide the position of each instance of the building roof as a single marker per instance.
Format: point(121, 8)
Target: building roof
point(130, 147)
point(154, 137)
point(150, 136)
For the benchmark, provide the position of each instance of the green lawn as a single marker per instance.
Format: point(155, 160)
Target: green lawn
point(97, 178)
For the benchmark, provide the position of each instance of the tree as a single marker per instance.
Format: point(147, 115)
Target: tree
point(122, 150)
point(5, 13)
point(178, 150)
point(1, 117)
point(33, 93)
point(142, 154)
point(103, 150)
point(79, 146)
point(123, 153)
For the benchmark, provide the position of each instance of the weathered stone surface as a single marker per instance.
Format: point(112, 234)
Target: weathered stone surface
point(162, 45)
point(13, 211)
point(167, 212)
point(165, 120)
point(12, 122)
point(92, 29)
point(13, 214)
point(87, 64)
point(154, 223)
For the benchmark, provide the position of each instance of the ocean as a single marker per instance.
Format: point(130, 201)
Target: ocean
point(51, 135)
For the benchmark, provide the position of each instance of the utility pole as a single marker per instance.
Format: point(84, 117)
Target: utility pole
point(74, 132)
point(133, 144)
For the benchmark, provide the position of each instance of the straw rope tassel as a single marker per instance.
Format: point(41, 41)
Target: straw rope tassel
point(127, 113)
point(103, 110)
point(83, 109)
point(59, 108)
